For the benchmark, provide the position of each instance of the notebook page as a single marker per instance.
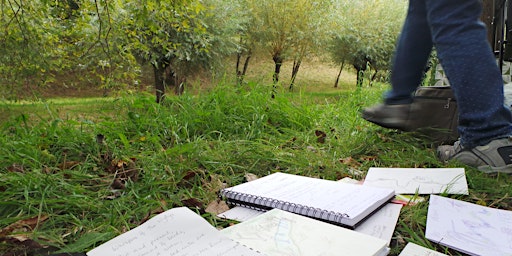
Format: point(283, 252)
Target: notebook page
point(178, 231)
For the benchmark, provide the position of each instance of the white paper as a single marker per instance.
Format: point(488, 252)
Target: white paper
point(419, 180)
point(469, 228)
point(382, 223)
point(240, 213)
point(176, 232)
point(282, 233)
point(412, 249)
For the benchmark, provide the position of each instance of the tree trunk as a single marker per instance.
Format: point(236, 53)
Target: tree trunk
point(278, 61)
point(295, 71)
point(372, 79)
point(339, 75)
point(360, 76)
point(240, 74)
point(159, 72)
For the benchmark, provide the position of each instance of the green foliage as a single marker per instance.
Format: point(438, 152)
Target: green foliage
point(94, 178)
point(363, 36)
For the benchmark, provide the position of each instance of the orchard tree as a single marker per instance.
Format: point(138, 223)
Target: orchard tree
point(288, 29)
point(28, 44)
point(367, 35)
point(177, 37)
point(41, 40)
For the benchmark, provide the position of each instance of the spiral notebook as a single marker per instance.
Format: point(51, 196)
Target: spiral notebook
point(339, 203)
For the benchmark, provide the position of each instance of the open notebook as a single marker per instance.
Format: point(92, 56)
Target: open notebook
point(339, 203)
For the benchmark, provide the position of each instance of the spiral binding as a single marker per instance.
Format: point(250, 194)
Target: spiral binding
point(264, 203)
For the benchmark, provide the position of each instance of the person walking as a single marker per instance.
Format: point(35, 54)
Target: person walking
point(454, 29)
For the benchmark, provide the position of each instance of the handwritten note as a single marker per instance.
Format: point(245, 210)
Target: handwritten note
point(178, 231)
point(282, 233)
point(469, 228)
point(412, 249)
point(419, 180)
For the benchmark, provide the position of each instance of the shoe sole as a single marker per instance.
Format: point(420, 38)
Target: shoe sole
point(471, 159)
point(507, 169)
point(390, 123)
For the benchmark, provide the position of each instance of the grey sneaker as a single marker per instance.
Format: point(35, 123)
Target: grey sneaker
point(388, 116)
point(491, 158)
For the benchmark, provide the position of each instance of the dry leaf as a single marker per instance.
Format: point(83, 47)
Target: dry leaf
point(15, 168)
point(22, 225)
point(194, 204)
point(320, 136)
point(250, 177)
point(216, 207)
point(67, 165)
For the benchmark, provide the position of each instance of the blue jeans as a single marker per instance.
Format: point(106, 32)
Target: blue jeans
point(454, 28)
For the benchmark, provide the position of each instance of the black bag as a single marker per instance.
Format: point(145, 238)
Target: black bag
point(434, 114)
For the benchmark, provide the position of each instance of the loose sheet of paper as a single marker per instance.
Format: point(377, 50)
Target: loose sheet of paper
point(469, 228)
point(419, 180)
point(240, 213)
point(178, 231)
point(382, 223)
point(280, 233)
point(412, 249)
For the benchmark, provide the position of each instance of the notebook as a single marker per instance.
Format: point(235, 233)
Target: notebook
point(470, 228)
point(177, 231)
point(278, 233)
point(339, 203)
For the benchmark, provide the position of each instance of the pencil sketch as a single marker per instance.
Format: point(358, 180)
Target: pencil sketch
point(469, 228)
point(419, 180)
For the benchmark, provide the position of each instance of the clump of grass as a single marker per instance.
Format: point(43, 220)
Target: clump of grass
point(90, 179)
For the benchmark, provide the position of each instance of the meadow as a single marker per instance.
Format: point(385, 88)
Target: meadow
point(76, 172)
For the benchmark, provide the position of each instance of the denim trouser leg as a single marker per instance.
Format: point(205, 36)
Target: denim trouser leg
point(467, 59)
point(411, 55)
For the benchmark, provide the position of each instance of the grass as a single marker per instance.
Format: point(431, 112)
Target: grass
point(76, 173)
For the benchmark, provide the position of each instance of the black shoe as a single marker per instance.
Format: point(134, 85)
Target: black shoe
point(388, 116)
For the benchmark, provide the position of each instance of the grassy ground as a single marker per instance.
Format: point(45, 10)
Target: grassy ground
point(76, 173)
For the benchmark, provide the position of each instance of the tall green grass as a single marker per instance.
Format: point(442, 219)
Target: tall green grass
point(92, 177)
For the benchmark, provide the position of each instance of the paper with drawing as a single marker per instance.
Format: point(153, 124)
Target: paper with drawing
point(178, 231)
point(419, 180)
point(282, 233)
point(469, 228)
point(412, 249)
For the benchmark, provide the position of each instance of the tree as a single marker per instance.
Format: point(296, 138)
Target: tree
point(43, 39)
point(364, 40)
point(287, 29)
point(176, 38)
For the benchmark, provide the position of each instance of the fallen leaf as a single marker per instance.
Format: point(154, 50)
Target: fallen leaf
point(320, 136)
point(15, 168)
point(216, 207)
point(67, 165)
point(23, 225)
point(118, 184)
point(250, 177)
point(193, 203)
